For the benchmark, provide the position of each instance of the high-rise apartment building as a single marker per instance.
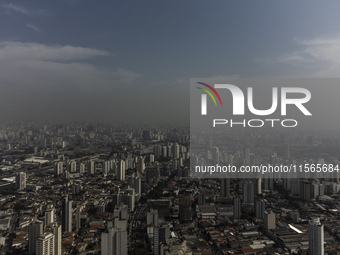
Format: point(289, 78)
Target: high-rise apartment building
point(269, 220)
point(58, 168)
point(237, 208)
point(20, 181)
point(225, 187)
point(49, 215)
point(114, 242)
point(315, 237)
point(55, 229)
point(35, 230)
point(45, 244)
point(66, 215)
point(90, 167)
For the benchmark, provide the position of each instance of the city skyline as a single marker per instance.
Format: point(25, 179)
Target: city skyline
point(79, 188)
point(169, 127)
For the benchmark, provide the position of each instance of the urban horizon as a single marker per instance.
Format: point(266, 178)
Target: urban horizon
point(169, 127)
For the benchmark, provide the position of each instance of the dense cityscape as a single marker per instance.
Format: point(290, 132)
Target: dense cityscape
point(93, 188)
point(169, 127)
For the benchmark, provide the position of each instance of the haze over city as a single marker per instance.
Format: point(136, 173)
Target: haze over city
point(97, 157)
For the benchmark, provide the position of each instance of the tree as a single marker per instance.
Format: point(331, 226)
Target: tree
point(90, 246)
point(140, 249)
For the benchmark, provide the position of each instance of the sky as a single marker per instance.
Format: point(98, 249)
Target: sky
point(131, 61)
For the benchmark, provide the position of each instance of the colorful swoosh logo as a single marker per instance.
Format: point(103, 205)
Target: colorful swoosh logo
point(209, 93)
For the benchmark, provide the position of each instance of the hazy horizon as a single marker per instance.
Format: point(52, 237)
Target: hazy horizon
point(132, 61)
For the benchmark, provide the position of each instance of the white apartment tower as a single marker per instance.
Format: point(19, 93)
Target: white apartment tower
point(140, 165)
point(45, 244)
point(58, 168)
point(90, 167)
point(176, 151)
point(121, 170)
point(55, 229)
point(49, 215)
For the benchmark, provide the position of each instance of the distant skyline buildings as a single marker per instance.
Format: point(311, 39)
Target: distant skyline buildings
point(163, 204)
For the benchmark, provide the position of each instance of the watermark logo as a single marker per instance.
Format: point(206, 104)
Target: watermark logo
point(204, 97)
point(295, 96)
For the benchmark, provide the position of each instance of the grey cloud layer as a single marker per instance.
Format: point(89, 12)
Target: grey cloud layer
point(321, 56)
point(43, 81)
